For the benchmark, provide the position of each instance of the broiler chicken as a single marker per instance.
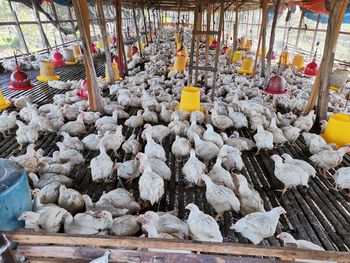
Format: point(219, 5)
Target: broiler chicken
point(263, 139)
point(303, 164)
point(152, 149)
point(221, 122)
point(206, 150)
point(135, 120)
point(26, 133)
point(202, 227)
point(302, 244)
point(72, 142)
point(305, 123)
point(240, 143)
point(259, 225)
point(231, 158)
point(212, 136)
point(128, 170)
point(158, 166)
point(249, 198)
point(193, 169)
point(131, 145)
point(126, 225)
point(7, 121)
point(278, 136)
point(113, 140)
point(221, 176)
point(70, 199)
point(289, 174)
point(151, 185)
point(74, 128)
point(69, 155)
point(181, 147)
point(342, 178)
point(30, 161)
point(101, 166)
point(220, 197)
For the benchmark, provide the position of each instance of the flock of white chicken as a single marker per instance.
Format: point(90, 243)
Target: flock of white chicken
point(199, 139)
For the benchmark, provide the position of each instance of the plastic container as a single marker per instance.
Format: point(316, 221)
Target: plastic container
point(83, 91)
point(180, 63)
point(15, 197)
point(115, 71)
point(311, 68)
point(339, 77)
point(19, 80)
point(76, 51)
point(190, 99)
point(237, 57)
point(247, 66)
point(248, 45)
point(58, 60)
point(338, 129)
point(277, 85)
point(68, 56)
point(298, 62)
point(47, 72)
point(99, 44)
point(284, 58)
point(4, 103)
point(177, 37)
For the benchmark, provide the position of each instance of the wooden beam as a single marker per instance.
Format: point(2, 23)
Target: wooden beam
point(263, 36)
point(30, 238)
point(7, 255)
point(43, 36)
point(145, 24)
point(120, 42)
point(272, 36)
point(102, 25)
point(235, 27)
point(82, 15)
point(206, 56)
point(137, 30)
point(18, 27)
point(335, 20)
point(299, 28)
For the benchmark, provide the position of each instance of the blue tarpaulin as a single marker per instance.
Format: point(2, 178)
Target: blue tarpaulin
point(324, 18)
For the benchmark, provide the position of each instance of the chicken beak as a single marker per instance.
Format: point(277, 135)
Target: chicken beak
point(279, 236)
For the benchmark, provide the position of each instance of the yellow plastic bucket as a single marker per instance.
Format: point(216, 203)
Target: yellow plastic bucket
point(177, 37)
point(99, 44)
point(76, 51)
point(338, 129)
point(4, 103)
point(237, 57)
point(260, 52)
point(248, 45)
point(115, 71)
point(298, 62)
point(190, 99)
point(180, 63)
point(47, 72)
point(247, 66)
point(284, 58)
point(229, 53)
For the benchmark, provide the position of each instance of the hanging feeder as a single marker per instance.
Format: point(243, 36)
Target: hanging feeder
point(58, 60)
point(213, 44)
point(298, 61)
point(247, 66)
point(223, 50)
point(93, 48)
point(248, 45)
point(311, 69)
point(134, 50)
point(83, 91)
point(4, 103)
point(115, 71)
point(237, 57)
point(284, 58)
point(47, 72)
point(19, 80)
point(68, 56)
point(277, 85)
point(128, 52)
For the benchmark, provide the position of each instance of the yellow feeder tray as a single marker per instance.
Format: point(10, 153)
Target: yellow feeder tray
point(338, 129)
point(4, 103)
point(298, 62)
point(115, 71)
point(335, 89)
point(99, 44)
point(190, 99)
point(76, 51)
point(247, 66)
point(284, 58)
point(47, 72)
point(237, 57)
point(72, 62)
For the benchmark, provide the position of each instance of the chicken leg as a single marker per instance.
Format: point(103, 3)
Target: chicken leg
point(284, 189)
point(219, 216)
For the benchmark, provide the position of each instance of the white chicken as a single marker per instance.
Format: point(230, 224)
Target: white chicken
point(202, 227)
point(305, 123)
point(263, 139)
point(151, 185)
point(157, 165)
point(193, 169)
point(301, 163)
point(113, 140)
point(101, 166)
point(342, 178)
point(74, 128)
point(154, 150)
point(26, 133)
point(7, 121)
point(206, 150)
point(181, 147)
point(212, 136)
point(259, 225)
point(131, 145)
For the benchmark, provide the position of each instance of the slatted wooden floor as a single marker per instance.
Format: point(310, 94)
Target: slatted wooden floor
point(317, 213)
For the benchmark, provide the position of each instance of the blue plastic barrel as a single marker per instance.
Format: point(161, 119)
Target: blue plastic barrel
point(15, 197)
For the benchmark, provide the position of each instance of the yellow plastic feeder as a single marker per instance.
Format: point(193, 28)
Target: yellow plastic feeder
point(247, 66)
point(229, 53)
point(115, 71)
point(338, 129)
point(180, 64)
point(47, 72)
point(284, 58)
point(248, 45)
point(237, 57)
point(260, 52)
point(4, 103)
point(99, 44)
point(177, 37)
point(333, 88)
point(298, 62)
point(76, 51)
point(190, 99)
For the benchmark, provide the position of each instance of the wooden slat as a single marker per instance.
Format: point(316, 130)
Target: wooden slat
point(207, 247)
point(7, 256)
point(204, 68)
point(85, 254)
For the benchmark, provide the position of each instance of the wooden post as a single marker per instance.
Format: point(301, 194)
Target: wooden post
point(314, 38)
point(121, 51)
point(150, 25)
point(263, 36)
point(18, 27)
point(102, 23)
point(235, 27)
point(137, 30)
point(57, 20)
point(272, 36)
point(44, 39)
point(320, 87)
point(145, 24)
point(206, 57)
point(300, 24)
point(72, 23)
point(82, 15)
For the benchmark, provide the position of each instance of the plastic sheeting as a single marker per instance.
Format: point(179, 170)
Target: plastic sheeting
point(324, 17)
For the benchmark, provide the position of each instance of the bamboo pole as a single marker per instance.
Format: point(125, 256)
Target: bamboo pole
point(150, 26)
point(137, 30)
point(102, 24)
point(145, 24)
point(235, 27)
point(43, 36)
point(121, 51)
point(272, 36)
point(57, 21)
point(18, 27)
point(82, 15)
point(263, 36)
point(299, 27)
point(206, 57)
